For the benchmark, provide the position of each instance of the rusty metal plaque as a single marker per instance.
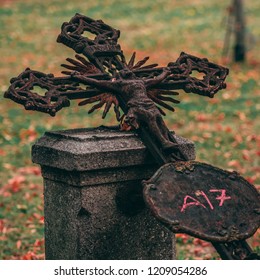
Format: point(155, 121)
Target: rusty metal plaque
point(203, 201)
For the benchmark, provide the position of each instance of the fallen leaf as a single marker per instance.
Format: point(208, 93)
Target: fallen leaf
point(18, 244)
point(34, 170)
point(1, 225)
point(234, 163)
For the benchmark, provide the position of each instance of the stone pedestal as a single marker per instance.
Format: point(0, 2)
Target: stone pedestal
point(93, 201)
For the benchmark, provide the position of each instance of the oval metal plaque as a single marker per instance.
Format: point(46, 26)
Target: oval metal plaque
point(203, 201)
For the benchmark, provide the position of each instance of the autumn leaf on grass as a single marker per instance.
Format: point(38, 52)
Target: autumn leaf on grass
point(256, 239)
point(18, 244)
point(246, 155)
point(182, 237)
point(29, 256)
point(28, 135)
point(250, 180)
point(201, 242)
point(30, 170)
point(1, 225)
point(234, 163)
point(14, 184)
point(201, 117)
point(41, 220)
point(38, 243)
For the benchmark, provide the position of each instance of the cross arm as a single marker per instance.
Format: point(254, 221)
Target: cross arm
point(183, 75)
point(165, 72)
point(45, 93)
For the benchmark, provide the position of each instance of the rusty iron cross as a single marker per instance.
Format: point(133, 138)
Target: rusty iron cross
point(141, 91)
point(100, 74)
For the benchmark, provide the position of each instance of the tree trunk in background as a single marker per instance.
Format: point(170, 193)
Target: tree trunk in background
point(239, 48)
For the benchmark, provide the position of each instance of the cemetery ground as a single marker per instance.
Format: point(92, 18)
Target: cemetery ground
point(225, 129)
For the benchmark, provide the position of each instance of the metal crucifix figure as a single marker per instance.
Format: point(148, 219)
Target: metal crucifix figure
point(100, 74)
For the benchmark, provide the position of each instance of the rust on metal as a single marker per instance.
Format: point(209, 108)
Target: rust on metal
point(203, 201)
point(142, 91)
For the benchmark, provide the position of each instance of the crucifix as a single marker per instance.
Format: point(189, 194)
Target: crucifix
point(100, 74)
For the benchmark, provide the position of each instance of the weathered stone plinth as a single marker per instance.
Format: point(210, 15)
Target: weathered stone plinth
point(93, 196)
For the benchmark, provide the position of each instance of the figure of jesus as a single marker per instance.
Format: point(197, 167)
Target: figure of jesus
point(141, 109)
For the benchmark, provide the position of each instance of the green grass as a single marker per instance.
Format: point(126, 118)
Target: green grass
point(225, 129)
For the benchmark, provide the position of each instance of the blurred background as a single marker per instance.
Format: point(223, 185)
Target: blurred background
point(225, 129)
